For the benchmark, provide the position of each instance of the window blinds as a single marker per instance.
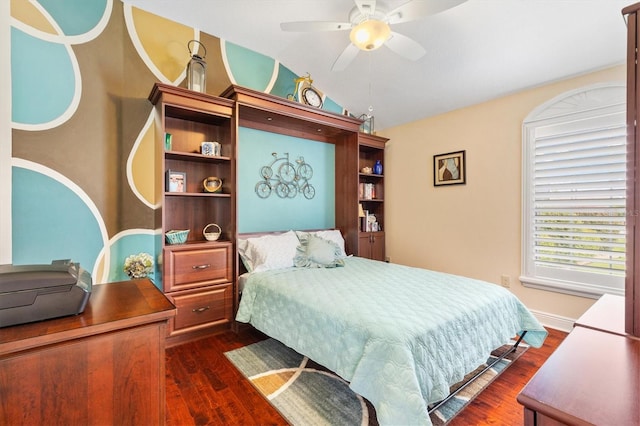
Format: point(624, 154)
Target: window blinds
point(578, 197)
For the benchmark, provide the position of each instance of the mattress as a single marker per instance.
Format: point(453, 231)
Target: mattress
point(401, 336)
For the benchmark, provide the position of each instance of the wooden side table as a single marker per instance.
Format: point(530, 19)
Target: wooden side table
point(593, 378)
point(606, 315)
point(104, 366)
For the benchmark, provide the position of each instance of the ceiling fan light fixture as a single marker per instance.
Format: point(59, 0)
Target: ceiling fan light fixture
point(370, 34)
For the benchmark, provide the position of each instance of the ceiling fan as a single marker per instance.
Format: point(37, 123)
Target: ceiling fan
point(370, 28)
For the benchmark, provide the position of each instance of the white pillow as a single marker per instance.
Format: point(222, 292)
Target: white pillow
point(243, 245)
point(332, 235)
point(269, 251)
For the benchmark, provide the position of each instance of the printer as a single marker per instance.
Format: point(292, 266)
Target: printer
point(31, 293)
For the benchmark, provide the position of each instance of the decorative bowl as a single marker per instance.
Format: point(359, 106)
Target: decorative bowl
point(211, 236)
point(212, 184)
point(367, 170)
point(176, 236)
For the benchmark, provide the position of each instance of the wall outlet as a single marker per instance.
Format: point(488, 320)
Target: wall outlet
point(505, 281)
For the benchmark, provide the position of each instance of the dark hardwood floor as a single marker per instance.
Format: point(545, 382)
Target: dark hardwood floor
point(497, 404)
point(203, 388)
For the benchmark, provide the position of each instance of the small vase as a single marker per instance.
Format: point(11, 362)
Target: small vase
point(377, 168)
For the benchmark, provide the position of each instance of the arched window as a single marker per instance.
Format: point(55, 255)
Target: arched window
point(574, 193)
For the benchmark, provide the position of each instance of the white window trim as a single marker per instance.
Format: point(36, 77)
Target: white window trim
point(585, 102)
point(5, 136)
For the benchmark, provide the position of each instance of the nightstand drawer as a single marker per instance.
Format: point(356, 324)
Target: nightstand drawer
point(202, 308)
point(194, 267)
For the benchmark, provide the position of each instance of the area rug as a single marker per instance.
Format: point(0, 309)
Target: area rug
point(305, 393)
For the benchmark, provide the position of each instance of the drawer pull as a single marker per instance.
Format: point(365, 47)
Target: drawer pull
point(202, 309)
point(208, 265)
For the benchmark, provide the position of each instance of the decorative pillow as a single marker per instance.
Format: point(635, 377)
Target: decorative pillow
point(269, 251)
point(333, 235)
point(316, 252)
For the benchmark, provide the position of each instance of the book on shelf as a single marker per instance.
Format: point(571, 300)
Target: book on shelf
point(369, 223)
point(364, 220)
point(366, 191)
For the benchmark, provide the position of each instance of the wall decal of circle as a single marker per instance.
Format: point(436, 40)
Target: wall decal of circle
point(45, 82)
point(77, 17)
point(47, 209)
point(248, 68)
point(68, 22)
point(285, 82)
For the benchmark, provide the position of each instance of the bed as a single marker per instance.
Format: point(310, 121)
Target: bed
point(401, 336)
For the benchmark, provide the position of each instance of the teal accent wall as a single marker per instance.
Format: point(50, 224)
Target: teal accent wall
point(273, 213)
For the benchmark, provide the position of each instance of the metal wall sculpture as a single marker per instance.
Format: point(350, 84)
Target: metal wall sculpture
point(286, 178)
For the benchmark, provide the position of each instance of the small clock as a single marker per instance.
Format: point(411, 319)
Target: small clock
point(310, 96)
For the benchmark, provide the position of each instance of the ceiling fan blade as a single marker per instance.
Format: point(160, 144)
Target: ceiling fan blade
point(345, 58)
point(418, 9)
point(310, 26)
point(366, 7)
point(405, 46)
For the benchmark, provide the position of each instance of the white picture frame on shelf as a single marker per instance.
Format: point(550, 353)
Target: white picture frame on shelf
point(176, 181)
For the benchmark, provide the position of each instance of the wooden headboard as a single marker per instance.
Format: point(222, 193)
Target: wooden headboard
point(263, 233)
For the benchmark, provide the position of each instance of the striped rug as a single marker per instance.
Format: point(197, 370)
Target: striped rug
point(305, 393)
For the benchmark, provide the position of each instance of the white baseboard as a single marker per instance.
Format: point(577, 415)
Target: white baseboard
point(554, 321)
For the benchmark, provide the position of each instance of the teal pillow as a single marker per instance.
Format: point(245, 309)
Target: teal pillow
point(316, 252)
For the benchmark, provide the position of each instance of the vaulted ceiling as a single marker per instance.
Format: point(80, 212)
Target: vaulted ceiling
point(476, 51)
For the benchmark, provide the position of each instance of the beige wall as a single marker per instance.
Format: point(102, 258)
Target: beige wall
point(474, 229)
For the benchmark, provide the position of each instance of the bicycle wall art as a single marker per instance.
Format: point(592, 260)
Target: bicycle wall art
point(286, 178)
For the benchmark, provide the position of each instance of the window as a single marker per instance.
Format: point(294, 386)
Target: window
point(574, 193)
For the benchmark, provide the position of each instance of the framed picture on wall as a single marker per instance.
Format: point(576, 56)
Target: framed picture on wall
point(449, 169)
point(176, 181)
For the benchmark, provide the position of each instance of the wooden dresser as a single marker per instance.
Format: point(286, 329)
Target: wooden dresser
point(593, 378)
point(104, 366)
point(199, 281)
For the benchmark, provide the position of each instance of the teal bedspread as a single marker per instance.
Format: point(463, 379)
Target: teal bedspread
point(400, 335)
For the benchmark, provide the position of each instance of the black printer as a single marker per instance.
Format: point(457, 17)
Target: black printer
point(31, 293)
